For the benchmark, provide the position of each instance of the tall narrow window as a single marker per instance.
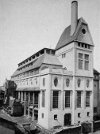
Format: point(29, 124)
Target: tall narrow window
point(78, 99)
point(43, 98)
point(80, 61)
point(67, 99)
point(86, 62)
point(55, 99)
point(87, 98)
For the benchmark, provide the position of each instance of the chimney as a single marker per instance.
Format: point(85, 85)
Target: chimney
point(74, 16)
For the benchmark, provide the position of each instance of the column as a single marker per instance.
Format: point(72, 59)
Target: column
point(24, 103)
point(28, 103)
point(33, 108)
point(19, 95)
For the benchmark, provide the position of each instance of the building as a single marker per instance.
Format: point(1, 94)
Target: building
point(56, 86)
point(96, 94)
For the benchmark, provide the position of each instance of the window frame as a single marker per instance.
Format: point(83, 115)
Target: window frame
point(80, 61)
point(79, 97)
point(67, 99)
point(55, 99)
point(87, 104)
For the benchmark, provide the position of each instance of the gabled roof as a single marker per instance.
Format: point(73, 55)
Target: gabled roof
point(43, 59)
point(67, 38)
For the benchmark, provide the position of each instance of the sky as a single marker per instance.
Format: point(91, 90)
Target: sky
point(26, 26)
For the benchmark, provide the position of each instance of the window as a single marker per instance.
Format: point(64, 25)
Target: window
point(86, 62)
point(43, 98)
point(78, 99)
point(64, 55)
point(88, 114)
point(83, 31)
point(83, 61)
point(80, 61)
point(55, 99)
point(43, 81)
point(95, 109)
point(87, 98)
point(67, 98)
point(55, 117)
point(79, 115)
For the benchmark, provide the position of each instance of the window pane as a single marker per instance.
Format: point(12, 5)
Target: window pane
point(86, 65)
point(80, 64)
point(86, 57)
point(67, 98)
point(55, 99)
point(80, 56)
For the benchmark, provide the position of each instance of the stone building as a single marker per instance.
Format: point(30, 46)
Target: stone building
point(96, 94)
point(56, 85)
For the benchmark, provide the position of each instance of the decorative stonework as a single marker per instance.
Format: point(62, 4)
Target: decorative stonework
point(56, 82)
point(67, 82)
point(87, 83)
point(78, 82)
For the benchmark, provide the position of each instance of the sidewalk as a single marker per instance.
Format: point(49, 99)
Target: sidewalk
point(97, 132)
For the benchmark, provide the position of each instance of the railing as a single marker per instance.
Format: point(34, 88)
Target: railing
point(35, 106)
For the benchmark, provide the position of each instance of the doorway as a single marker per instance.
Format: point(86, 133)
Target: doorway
point(67, 119)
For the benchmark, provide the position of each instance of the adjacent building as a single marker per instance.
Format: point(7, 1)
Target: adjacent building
point(96, 94)
point(56, 85)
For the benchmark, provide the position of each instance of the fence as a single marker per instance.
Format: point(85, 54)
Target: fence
point(96, 125)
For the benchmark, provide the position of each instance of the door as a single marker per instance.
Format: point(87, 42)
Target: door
point(67, 119)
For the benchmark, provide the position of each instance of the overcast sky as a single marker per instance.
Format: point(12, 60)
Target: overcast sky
point(26, 26)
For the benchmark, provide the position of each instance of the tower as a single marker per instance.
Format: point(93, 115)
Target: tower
point(75, 51)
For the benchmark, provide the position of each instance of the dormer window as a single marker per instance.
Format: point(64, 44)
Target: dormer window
point(63, 55)
point(83, 31)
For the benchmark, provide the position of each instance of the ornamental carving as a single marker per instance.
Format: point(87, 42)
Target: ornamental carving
point(78, 82)
point(67, 82)
point(87, 83)
point(56, 81)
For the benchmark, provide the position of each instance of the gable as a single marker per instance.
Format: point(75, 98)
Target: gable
point(78, 35)
point(83, 35)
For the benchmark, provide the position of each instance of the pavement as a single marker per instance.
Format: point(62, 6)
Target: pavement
point(97, 132)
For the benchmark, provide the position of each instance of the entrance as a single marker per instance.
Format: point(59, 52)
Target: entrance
point(67, 119)
point(36, 105)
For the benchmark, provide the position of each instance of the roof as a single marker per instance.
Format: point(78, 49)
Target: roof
point(43, 59)
point(6, 117)
point(40, 51)
point(95, 71)
point(66, 38)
